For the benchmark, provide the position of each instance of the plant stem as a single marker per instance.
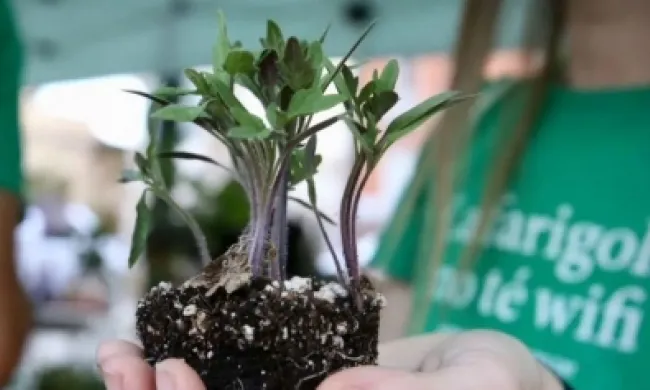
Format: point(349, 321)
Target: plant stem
point(258, 243)
point(279, 233)
point(319, 219)
point(199, 237)
point(356, 197)
point(347, 240)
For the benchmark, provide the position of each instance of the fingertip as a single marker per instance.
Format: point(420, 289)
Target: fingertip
point(108, 349)
point(179, 373)
point(131, 371)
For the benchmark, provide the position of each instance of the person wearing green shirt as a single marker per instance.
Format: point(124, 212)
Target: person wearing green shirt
point(15, 308)
point(523, 239)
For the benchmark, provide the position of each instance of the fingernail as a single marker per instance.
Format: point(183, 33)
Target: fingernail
point(164, 380)
point(113, 381)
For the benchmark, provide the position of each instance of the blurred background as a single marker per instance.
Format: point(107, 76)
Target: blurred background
point(80, 131)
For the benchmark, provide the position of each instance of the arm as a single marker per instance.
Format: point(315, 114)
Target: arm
point(15, 310)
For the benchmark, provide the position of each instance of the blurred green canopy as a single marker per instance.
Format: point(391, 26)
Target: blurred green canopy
point(85, 38)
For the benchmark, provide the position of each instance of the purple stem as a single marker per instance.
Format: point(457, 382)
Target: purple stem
point(348, 241)
point(258, 242)
point(353, 214)
point(279, 228)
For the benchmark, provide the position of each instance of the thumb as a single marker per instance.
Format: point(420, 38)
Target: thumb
point(374, 378)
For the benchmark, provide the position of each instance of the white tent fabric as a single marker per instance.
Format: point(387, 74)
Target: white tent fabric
point(83, 38)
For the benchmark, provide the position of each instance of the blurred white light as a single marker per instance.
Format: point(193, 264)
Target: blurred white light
point(114, 117)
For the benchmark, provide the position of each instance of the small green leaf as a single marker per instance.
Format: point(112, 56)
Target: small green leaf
point(222, 90)
point(316, 57)
point(130, 175)
point(295, 68)
point(192, 156)
point(246, 81)
point(274, 38)
point(141, 230)
point(179, 113)
point(247, 132)
point(198, 80)
point(309, 161)
point(268, 67)
point(172, 92)
point(311, 101)
point(378, 105)
point(222, 46)
point(390, 74)
point(246, 119)
point(239, 62)
point(413, 118)
point(272, 115)
point(351, 81)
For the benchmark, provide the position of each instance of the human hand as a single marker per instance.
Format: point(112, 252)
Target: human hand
point(473, 360)
point(123, 368)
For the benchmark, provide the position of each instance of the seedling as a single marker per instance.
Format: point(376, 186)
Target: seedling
point(270, 155)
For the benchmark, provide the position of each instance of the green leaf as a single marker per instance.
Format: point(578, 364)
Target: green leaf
point(351, 81)
point(179, 113)
point(153, 98)
point(413, 118)
point(130, 175)
point(311, 101)
point(222, 46)
point(247, 132)
point(309, 161)
point(246, 119)
point(141, 230)
point(367, 91)
point(172, 92)
point(390, 74)
point(378, 105)
point(246, 81)
point(239, 62)
point(192, 156)
point(268, 67)
point(274, 38)
point(198, 80)
point(316, 57)
point(272, 116)
point(222, 90)
point(295, 68)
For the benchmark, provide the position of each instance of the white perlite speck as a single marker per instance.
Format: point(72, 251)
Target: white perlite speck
point(298, 284)
point(249, 333)
point(330, 292)
point(338, 341)
point(341, 328)
point(189, 310)
point(165, 286)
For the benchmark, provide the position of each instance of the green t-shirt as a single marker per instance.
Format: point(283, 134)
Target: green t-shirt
point(10, 80)
point(566, 268)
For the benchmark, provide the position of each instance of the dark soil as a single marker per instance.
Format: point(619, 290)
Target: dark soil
point(262, 335)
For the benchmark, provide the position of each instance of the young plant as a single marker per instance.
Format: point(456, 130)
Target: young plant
point(272, 154)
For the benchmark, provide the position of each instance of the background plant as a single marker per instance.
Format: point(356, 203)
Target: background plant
point(270, 155)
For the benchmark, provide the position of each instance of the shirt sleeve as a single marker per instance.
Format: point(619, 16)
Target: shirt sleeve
point(10, 80)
